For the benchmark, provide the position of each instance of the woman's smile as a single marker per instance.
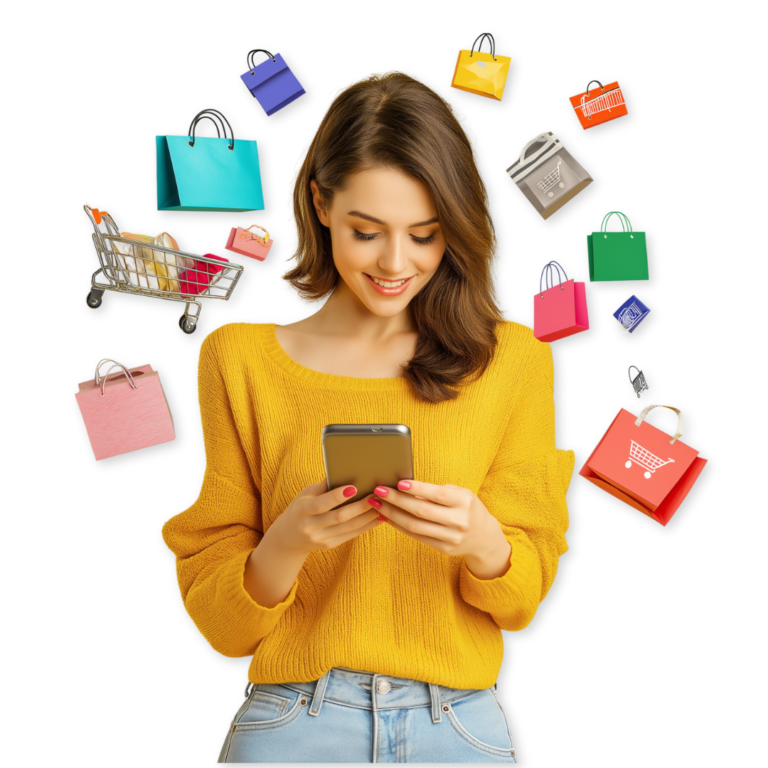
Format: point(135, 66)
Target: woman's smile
point(389, 287)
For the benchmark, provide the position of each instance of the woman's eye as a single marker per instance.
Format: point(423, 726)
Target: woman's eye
point(420, 240)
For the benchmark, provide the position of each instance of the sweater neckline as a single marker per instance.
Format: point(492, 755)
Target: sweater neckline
point(277, 354)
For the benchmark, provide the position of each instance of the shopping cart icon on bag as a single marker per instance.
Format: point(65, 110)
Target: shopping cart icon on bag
point(549, 181)
point(630, 316)
point(605, 102)
point(149, 269)
point(645, 459)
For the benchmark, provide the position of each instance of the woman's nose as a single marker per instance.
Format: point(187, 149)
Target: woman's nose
point(393, 259)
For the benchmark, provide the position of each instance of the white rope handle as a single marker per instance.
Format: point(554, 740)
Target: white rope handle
point(540, 137)
point(679, 432)
point(103, 381)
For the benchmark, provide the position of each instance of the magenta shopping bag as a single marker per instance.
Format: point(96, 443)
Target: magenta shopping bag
point(125, 411)
point(559, 310)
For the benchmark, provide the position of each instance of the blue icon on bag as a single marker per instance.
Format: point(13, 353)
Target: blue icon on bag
point(631, 313)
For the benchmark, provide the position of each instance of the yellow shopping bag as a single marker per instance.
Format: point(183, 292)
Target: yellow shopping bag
point(482, 73)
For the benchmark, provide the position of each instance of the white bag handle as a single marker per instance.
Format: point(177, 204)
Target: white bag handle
point(103, 381)
point(550, 141)
point(679, 432)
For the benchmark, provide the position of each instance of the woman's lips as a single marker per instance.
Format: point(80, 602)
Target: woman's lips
point(389, 291)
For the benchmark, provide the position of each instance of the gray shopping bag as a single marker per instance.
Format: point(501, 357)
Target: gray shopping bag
point(547, 174)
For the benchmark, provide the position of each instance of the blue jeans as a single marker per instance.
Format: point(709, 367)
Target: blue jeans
point(352, 716)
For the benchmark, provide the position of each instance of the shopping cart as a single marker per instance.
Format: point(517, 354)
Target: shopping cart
point(631, 316)
point(149, 269)
point(602, 103)
point(645, 459)
point(549, 181)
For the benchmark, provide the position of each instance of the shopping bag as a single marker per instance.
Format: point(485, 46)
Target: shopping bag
point(639, 383)
point(271, 83)
point(198, 279)
point(547, 174)
point(599, 106)
point(631, 313)
point(199, 173)
point(248, 243)
point(639, 464)
point(617, 255)
point(560, 310)
point(124, 411)
point(482, 73)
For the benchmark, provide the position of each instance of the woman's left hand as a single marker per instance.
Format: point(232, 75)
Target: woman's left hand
point(449, 518)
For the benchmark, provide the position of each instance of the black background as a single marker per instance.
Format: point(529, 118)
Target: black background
point(613, 667)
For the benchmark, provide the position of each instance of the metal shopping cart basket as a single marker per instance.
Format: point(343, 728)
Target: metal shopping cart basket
point(149, 269)
point(549, 181)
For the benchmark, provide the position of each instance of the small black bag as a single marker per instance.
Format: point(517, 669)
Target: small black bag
point(639, 384)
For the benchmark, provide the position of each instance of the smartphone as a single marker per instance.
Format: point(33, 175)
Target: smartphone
point(366, 455)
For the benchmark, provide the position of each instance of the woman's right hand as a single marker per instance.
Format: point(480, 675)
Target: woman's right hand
point(310, 521)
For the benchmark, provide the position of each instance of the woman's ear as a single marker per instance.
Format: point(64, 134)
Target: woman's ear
point(319, 203)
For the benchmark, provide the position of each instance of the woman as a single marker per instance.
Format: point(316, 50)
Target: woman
point(375, 629)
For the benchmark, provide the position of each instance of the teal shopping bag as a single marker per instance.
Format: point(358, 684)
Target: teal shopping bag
point(617, 255)
point(199, 173)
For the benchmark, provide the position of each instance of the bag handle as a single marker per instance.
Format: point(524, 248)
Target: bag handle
point(103, 381)
point(548, 269)
point(491, 44)
point(206, 113)
point(594, 81)
point(629, 371)
point(625, 224)
point(679, 432)
point(266, 234)
point(549, 141)
point(251, 61)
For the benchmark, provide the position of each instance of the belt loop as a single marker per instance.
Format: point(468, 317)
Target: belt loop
point(434, 692)
point(319, 694)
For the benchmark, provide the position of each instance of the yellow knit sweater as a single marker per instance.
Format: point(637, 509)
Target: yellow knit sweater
point(382, 602)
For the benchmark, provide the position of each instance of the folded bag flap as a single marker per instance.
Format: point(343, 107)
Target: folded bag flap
point(641, 459)
point(257, 76)
point(535, 152)
point(113, 379)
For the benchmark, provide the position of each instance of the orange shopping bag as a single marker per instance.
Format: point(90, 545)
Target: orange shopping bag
point(599, 105)
point(642, 466)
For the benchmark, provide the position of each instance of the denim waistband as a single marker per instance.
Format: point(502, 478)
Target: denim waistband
point(370, 690)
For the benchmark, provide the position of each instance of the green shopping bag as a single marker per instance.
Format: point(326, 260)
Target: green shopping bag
point(206, 174)
point(617, 255)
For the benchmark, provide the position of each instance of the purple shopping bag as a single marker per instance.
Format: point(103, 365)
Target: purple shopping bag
point(272, 83)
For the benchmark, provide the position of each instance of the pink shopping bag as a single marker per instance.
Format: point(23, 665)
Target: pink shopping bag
point(125, 411)
point(560, 310)
point(197, 280)
point(248, 243)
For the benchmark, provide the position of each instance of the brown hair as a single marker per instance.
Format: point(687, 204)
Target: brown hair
point(393, 120)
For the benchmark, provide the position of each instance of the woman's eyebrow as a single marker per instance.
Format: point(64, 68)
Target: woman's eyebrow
point(366, 216)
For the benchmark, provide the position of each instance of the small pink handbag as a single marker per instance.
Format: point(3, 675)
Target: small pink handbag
point(125, 411)
point(560, 310)
point(247, 243)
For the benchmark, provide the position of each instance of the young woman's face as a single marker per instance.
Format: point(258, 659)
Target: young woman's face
point(386, 238)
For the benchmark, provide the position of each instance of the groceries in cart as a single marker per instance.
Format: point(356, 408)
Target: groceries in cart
point(638, 381)
point(484, 74)
point(599, 105)
point(547, 174)
point(125, 410)
point(643, 466)
point(617, 255)
point(155, 267)
point(249, 243)
point(271, 82)
point(559, 310)
point(631, 313)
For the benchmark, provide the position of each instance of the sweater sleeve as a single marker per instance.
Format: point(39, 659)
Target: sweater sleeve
point(525, 490)
point(213, 539)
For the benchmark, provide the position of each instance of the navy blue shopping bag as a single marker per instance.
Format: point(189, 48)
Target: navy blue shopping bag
point(272, 83)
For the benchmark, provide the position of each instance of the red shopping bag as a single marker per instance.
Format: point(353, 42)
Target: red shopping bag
point(599, 105)
point(196, 280)
point(248, 243)
point(642, 466)
point(560, 310)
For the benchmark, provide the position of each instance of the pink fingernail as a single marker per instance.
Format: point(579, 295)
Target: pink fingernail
point(403, 485)
point(350, 491)
point(380, 490)
point(374, 502)
point(382, 518)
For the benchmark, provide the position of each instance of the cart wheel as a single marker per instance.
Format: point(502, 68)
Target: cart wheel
point(628, 464)
point(188, 324)
point(94, 302)
point(647, 475)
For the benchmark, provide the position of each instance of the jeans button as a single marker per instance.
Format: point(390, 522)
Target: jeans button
point(383, 686)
